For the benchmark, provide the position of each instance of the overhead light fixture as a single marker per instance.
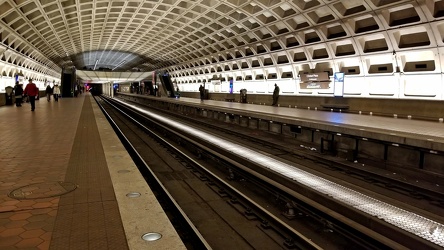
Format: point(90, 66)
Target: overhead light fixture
point(118, 65)
point(95, 65)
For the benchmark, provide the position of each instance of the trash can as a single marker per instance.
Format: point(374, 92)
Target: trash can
point(243, 96)
point(8, 93)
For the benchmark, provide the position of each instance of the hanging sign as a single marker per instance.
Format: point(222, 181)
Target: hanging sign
point(315, 81)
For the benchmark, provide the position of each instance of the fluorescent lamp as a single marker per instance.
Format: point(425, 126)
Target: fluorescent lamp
point(95, 65)
point(118, 65)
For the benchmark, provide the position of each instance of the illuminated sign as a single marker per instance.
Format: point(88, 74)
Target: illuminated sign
point(339, 84)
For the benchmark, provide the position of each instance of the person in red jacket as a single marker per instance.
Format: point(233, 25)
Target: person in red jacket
point(31, 91)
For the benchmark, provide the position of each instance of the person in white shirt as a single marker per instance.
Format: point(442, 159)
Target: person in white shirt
point(56, 92)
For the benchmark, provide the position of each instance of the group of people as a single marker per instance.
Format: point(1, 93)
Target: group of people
point(275, 94)
point(55, 90)
point(31, 92)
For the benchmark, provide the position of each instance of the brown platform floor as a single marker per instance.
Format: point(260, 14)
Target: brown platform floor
point(57, 143)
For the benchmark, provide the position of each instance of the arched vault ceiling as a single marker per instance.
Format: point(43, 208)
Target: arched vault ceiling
point(150, 34)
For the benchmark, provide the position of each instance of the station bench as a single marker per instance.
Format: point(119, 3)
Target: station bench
point(229, 98)
point(335, 107)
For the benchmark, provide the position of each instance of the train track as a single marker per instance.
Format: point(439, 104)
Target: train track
point(330, 229)
point(416, 194)
point(222, 232)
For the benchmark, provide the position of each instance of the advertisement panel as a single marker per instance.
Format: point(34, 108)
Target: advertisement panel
point(338, 84)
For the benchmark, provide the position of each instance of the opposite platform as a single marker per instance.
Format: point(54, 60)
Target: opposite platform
point(418, 133)
point(64, 177)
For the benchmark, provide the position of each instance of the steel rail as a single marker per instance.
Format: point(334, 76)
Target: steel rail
point(380, 216)
point(197, 239)
point(293, 236)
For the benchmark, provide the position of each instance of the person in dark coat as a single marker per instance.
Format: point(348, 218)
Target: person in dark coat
point(48, 93)
point(31, 91)
point(275, 95)
point(202, 92)
point(18, 92)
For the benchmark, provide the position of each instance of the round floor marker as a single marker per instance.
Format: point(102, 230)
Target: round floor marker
point(133, 195)
point(151, 236)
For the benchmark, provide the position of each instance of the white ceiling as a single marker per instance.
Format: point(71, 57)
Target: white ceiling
point(145, 35)
point(111, 76)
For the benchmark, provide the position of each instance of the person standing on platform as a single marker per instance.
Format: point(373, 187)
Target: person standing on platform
point(48, 93)
point(18, 92)
point(177, 92)
point(202, 92)
point(31, 91)
point(275, 95)
point(56, 92)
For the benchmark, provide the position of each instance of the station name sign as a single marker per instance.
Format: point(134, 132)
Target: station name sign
point(315, 77)
point(315, 81)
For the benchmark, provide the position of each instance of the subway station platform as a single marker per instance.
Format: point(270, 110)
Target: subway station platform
point(64, 180)
point(399, 145)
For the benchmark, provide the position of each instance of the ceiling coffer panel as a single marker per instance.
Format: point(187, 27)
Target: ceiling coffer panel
point(147, 35)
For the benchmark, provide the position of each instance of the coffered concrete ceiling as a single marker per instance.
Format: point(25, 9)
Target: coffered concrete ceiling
point(145, 35)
